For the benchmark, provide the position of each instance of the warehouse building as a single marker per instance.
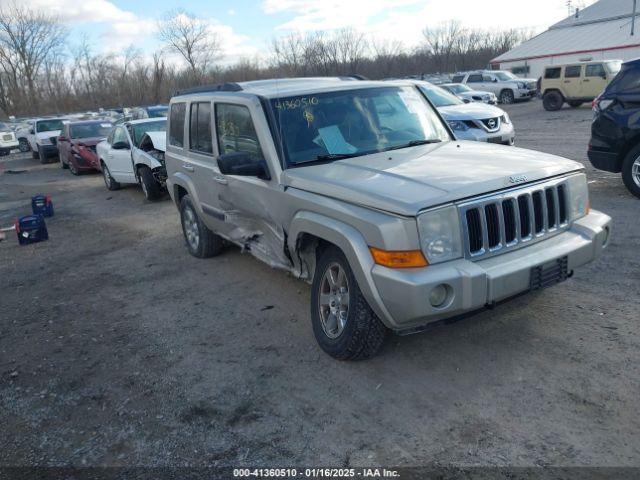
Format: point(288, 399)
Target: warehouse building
point(606, 30)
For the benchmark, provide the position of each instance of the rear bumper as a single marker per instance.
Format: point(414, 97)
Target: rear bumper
point(474, 285)
point(607, 161)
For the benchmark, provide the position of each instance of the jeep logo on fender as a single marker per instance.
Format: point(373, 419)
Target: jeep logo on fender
point(517, 179)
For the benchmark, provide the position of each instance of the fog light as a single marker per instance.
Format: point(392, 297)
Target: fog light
point(438, 295)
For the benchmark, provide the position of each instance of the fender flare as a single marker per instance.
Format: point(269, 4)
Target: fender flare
point(352, 244)
point(179, 179)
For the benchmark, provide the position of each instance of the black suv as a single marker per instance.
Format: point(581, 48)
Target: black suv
point(615, 131)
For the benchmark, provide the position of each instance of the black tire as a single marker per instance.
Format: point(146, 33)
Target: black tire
point(552, 101)
point(35, 154)
point(627, 171)
point(4, 153)
point(507, 97)
point(208, 243)
point(150, 187)
point(109, 182)
point(72, 168)
point(24, 145)
point(575, 103)
point(363, 334)
point(43, 158)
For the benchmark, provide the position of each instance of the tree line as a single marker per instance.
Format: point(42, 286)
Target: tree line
point(42, 73)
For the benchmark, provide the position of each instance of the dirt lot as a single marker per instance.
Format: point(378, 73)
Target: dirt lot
point(118, 348)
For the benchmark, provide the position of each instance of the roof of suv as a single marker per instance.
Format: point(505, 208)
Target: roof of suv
point(282, 87)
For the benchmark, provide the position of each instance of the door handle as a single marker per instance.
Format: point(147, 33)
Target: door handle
point(187, 167)
point(220, 179)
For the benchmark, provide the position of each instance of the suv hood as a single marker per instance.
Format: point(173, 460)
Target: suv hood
point(470, 111)
point(47, 135)
point(412, 179)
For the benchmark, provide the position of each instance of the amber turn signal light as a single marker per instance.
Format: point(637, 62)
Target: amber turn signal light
point(402, 259)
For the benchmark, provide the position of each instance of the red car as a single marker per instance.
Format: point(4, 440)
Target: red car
point(77, 144)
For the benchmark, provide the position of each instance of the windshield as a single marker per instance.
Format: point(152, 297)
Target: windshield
point(505, 76)
point(157, 112)
point(48, 125)
point(440, 97)
point(90, 130)
point(459, 88)
point(354, 122)
point(138, 130)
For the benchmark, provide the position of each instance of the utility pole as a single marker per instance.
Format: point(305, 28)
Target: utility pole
point(633, 17)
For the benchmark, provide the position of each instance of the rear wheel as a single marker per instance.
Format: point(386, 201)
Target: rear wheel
point(631, 171)
point(201, 242)
point(150, 187)
point(23, 145)
point(552, 101)
point(344, 324)
point(109, 182)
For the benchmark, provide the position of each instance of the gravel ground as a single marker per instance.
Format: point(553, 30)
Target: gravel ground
point(118, 348)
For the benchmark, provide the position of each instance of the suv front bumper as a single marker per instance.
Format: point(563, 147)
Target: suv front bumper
point(474, 285)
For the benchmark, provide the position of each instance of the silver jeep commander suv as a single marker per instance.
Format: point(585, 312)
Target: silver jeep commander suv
point(360, 188)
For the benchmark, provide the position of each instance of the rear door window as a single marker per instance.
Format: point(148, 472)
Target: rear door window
point(176, 124)
point(457, 79)
point(475, 78)
point(200, 135)
point(572, 71)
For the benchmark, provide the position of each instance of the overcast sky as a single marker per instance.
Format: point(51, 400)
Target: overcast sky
point(248, 26)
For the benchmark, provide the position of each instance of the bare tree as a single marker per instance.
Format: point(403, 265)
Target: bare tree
point(27, 38)
point(192, 38)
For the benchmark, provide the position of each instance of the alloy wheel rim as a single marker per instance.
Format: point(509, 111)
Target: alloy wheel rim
point(333, 300)
point(635, 172)
point(144, 188)
point(106, 175)
point(190, 223)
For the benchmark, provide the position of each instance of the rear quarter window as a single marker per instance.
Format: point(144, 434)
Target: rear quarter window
point(595, 70)
point(176, 124)
point(457, 79)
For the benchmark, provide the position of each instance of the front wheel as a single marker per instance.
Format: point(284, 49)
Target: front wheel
point(43, 157)
point(150, 187)
point(507, 97)
point(552, 101)
point(631, 171)
point(201, 242)
point(344, 324)
point(72, 168)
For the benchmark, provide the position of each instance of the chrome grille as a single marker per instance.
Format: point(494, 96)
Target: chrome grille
point(491, 124)
point(514, 218)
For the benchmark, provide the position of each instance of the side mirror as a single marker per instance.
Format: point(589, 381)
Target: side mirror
point(120, 146)
point(495, 80)
point(32, 131)
point(466, 100)
point(241, 163)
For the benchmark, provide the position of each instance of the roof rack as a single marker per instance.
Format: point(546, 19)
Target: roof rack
point(221, 87)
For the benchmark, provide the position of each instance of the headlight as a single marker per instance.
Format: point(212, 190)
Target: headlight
point(522, 85)
point(45, 141)
point(578, 196)
point(506, 119)
point(458, 125)
point(440, 235)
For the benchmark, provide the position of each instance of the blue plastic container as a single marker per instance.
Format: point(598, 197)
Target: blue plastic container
point(42, 205)
point(31, 229)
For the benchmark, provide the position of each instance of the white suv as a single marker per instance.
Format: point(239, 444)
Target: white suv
point(505, 85)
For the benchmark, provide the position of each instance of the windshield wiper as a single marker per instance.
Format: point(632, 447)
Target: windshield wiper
point(414, 143)
point(338, 156)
